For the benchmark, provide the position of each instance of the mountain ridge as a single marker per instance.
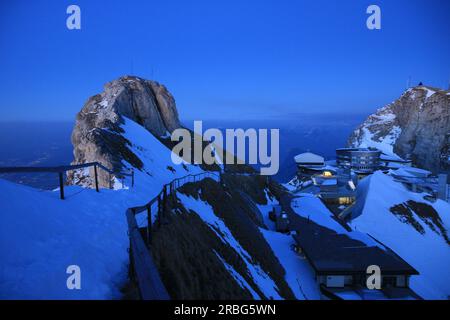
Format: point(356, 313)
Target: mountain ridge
point(415, 126)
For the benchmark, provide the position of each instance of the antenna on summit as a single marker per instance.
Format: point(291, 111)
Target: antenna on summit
point(409, 82)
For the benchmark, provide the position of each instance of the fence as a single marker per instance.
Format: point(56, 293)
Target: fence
point(60, 170)
point(141, 262)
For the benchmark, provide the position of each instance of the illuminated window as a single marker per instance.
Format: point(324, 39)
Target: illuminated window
point(327, 174)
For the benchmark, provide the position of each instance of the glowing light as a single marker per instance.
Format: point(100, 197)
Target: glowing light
point(327, 174)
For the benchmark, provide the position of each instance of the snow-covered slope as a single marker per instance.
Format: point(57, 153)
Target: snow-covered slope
point(371, 133)
point(414, 126)
point(41, 235)
point(419, 236)
point(261, 278)
point(299, 274)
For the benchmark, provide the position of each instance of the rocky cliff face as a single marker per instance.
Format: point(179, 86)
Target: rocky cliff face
point(97, 133)
point(415, 126)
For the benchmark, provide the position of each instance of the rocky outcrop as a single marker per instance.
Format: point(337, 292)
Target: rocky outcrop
point(97, 133)
point(416, 127)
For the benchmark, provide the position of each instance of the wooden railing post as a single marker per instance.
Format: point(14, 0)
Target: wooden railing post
point(149, 224)
point(61, 185)
point(96, 177)
point(164, 200)
point(132, 177)
point(159, 210)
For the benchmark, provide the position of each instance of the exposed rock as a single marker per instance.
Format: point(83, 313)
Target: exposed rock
point(416, 127)
point(97, 133)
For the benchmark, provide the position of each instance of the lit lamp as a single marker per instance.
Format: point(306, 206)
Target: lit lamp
point(327, 174)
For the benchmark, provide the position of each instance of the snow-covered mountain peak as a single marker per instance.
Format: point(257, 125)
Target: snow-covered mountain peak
point(415, 126)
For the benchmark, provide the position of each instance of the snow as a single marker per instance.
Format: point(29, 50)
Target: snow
point(265, 210)
point(411, 172)
point(104, 103)
point(41, 235)
point(329, 182)
point(428, 253)
point(206, 213)
point(311, 207)
point(429, 92)
point(390, 157)
point(386, 145)
point(118, 184)
point(239, 279)
point(308, 157)
point(155, 156)
point(384, 118)
point(299, 274)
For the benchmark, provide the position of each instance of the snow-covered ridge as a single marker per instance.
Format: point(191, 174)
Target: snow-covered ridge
point(412, 127)
point(41, 235)
point(423, 247)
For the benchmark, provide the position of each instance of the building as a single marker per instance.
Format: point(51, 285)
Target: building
point(309, 159)
point(361, 160)
point(335, 187)
point(411, 173)
point(393, 162)
point(422, 181)
point(308, 164)
point(340, 263)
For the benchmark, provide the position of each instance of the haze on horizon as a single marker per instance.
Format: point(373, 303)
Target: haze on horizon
point(222, 59)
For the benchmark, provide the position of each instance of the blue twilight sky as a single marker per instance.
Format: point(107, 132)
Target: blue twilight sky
point(233, 59)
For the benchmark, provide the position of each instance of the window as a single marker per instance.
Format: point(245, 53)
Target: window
point(389, 282)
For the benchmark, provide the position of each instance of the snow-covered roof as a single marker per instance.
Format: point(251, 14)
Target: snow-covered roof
point(329, 182)
point(411, 172)
point(392, 157)
point(308, 157)
point(418, 241)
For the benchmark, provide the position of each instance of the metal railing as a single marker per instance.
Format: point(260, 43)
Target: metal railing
point(141, 262)
point(63, 169)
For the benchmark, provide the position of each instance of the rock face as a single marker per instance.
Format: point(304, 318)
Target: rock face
point(416, 126)
point(97, 133)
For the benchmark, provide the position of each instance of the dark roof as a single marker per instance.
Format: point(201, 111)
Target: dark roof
point(330, 252)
